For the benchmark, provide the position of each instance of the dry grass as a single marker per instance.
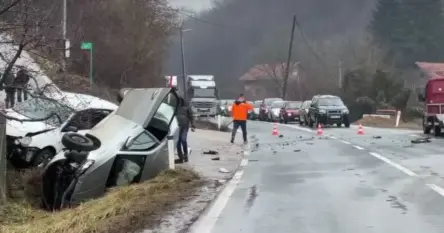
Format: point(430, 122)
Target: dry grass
point(387, 123)
point(123, 209)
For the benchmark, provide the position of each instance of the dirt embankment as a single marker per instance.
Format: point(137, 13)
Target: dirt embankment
point(122, 209)
point(387, 123)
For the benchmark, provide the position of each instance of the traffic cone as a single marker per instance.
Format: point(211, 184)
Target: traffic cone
point(360, 130)
point(275, 130)
point(319, 132)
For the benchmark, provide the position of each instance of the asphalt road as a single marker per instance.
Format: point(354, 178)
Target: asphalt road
point(341, 182)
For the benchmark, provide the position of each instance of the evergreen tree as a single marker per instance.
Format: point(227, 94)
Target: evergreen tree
point(409, 30)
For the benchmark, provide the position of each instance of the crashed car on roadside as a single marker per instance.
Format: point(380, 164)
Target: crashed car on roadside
point(35, 143)
point(128, 146)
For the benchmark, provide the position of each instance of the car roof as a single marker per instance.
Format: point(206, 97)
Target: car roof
point(80, 102)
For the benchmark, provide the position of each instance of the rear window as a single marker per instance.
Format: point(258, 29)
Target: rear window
point(294, 105)
point(270, 101)
point(278, 104)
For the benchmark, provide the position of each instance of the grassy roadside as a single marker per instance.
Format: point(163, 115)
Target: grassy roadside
point(387, 123)
point(123, 209)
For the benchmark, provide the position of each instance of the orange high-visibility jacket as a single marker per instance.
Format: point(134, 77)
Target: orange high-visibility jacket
point(239, 110)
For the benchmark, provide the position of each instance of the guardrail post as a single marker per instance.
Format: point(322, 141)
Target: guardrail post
point(171, 163)
point(3, 162)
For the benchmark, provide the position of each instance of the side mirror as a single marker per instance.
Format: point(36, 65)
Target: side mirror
point(71, 128)
point(421, 97)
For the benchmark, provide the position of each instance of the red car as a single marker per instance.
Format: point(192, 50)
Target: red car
point(290, 112)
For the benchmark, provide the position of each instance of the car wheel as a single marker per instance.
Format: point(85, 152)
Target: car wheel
point(437, 131)
point(426, 129)
point(338, 124)
point(42, 158)
point(75, 141)
point(310, 122)
point(347, 124)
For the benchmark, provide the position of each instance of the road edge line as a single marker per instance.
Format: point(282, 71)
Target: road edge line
point(208, 218)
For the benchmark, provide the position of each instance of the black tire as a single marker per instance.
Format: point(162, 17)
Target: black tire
point(42, 158)
point(301, 121)
point(347, 124)
point(425, 127)
point(75, 141)
point(437, 131)
point(338, 125)
point(285, 122)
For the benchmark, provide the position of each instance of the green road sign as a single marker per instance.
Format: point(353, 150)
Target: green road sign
point(86, 46)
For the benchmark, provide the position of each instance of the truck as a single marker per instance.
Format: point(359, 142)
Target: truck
point(433, 97)
point(201, 92)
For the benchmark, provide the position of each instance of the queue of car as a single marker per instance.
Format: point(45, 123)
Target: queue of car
point(320, 110)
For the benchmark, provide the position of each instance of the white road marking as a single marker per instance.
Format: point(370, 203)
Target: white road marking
point(358, 147)
point(298, 128)
point(244, 162)
point(393, 164)
point(345, 142)
point(437, 189)
point(206, 222)
point(333, 137)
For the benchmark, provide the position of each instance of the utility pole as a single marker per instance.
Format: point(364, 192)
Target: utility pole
point(66, 42)
point(340, 75)
point(184, 77)
point(287, 68)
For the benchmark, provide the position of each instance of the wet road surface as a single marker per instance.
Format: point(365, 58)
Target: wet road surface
point(339, 183)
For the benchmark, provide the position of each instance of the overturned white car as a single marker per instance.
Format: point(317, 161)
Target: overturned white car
point(35, 143)
point(130, 145)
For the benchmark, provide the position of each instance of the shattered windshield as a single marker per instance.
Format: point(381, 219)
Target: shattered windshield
point(204, 93)
point(330, 102)
point(37, 108)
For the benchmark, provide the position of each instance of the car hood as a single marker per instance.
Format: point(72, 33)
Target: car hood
point(20, 129)
point(276, 110)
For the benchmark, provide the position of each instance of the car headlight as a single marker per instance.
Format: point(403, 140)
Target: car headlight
point(25, 141)
point(323, 111)
point(289, 114)
point(84, 167)
point(345, 111)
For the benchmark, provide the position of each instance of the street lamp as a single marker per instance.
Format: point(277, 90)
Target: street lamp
point(183, 61)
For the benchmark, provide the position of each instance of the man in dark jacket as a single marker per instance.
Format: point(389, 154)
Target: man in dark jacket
point(185, 120)
point(7, 83)
point(21, 82)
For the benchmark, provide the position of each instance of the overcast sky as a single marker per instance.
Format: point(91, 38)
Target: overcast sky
point(196, 5)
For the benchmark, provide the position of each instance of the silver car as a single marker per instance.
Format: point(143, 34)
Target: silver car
point(129, 145)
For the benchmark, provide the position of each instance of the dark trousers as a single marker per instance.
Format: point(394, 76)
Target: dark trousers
point(243, 126)
point(21, 92)
point(10, 97)
point(182, 144)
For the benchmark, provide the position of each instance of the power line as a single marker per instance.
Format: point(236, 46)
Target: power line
point(307, 43)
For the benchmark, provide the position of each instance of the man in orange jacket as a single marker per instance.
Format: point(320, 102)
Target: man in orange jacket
point(239, 112)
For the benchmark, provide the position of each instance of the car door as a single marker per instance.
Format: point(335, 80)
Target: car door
point(150, 147)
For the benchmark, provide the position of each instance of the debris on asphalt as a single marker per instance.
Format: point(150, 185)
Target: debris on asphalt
point(210, 152)
point(281, 136)
point(274, 152)
point(253, 160)
point(420, 140)
point(223, 170)
point(215, 158)
point(298, 150)
point(310, 143)
point(377, 137)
